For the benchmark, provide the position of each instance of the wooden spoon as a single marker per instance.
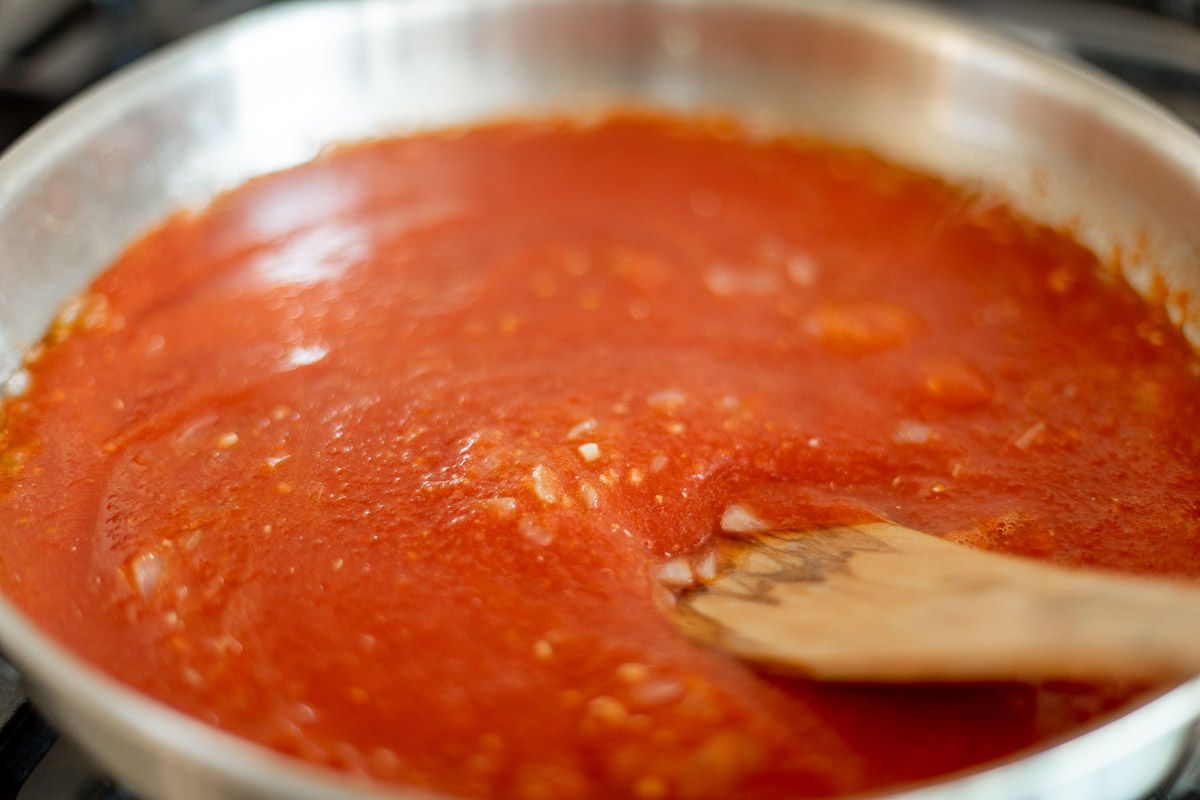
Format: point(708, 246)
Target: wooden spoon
point(881, 603)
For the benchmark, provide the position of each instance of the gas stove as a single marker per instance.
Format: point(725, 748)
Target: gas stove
point(52, 49)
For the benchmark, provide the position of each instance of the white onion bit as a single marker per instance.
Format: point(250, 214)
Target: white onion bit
point(589, 452)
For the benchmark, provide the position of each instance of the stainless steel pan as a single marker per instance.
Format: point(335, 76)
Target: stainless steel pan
point(270, 90)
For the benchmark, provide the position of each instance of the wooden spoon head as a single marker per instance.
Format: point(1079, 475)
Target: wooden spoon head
point(882, 603)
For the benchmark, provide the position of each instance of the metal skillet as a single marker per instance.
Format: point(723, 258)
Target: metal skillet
point(272, 89)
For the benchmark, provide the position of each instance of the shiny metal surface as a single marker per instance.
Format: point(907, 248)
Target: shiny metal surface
point(274, 88)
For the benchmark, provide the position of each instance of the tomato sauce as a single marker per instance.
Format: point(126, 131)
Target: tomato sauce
point(388, 460)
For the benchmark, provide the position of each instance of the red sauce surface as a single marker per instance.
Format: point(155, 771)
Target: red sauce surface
point(376, 461)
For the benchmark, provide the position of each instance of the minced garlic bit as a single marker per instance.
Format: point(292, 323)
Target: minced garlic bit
point(581, 428)
point(589, 451)
point(227, 440)
point(544, 484)
point(739, 518)
point(635, 476)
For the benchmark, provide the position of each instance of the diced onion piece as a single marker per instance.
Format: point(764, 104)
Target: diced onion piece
point(721, 281)
point(544, 484)
point(589, 451)
point(1031, 436)
point(501, 507)
point(667, 400)
point(145, 569)
point(632, 672)
point(589, 496)
point(581, 428)
point(607, 709)
point(657, 692)
point(739, 518)
point(532, 530)
point(858, 327)
point(956, 384)
point(910, 432)
point(801, 269)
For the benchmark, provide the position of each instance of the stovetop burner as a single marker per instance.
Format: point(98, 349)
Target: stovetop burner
point(52, 49)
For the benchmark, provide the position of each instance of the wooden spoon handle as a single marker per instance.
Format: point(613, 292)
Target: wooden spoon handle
point(882, 603)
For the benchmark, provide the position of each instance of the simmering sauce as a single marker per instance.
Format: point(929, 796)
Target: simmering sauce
point(388, 461)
